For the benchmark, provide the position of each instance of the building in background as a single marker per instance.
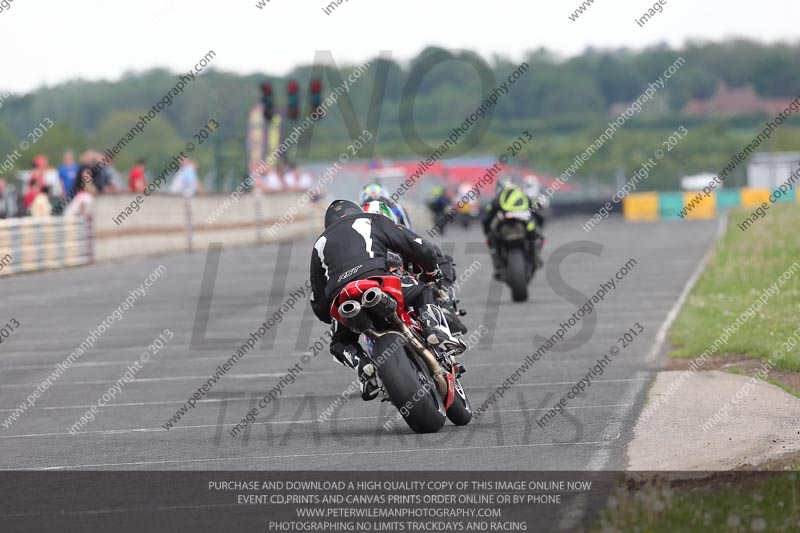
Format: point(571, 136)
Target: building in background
point(769, 170)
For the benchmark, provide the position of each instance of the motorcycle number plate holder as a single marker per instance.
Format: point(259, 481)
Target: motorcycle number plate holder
point(519, 215)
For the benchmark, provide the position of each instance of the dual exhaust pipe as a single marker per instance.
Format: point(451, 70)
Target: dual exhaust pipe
point(377, 303)
point(374, 302)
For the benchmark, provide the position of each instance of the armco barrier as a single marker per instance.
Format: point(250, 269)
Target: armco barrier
point(648, 206)
point(29, 244)
point(163, 224)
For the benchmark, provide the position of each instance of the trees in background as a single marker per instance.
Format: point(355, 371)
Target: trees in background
point(564, 102)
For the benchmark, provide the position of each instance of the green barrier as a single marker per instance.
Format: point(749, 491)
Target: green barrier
point(790, 196)
point(669, 205)
point(728, 199)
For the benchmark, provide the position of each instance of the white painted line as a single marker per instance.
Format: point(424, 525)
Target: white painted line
point(314, 455)
point(94, 512)
point(572, 517)
point(273, 422)
point(34, 366)
point(295, 396)
point(614, 428)
point(172, 359)
point(661, 336)
point(169, 378)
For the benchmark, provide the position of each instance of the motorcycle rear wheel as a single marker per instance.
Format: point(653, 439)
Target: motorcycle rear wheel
point(517, 278)
point(409, 384)
point(460, 412)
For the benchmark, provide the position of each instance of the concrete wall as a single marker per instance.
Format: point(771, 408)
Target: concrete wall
point(166, 224)
point(169, 224)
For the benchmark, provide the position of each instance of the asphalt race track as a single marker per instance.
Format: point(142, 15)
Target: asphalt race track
point(220, 310)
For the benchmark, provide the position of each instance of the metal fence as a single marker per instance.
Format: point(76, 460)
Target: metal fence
point(29, 244)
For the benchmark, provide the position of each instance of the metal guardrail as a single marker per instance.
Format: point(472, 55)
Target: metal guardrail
point(30, 244)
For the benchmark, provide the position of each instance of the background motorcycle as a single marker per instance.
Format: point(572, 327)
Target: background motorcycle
point(516, 250)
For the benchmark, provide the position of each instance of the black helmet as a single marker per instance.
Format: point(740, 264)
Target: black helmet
point(340, 209)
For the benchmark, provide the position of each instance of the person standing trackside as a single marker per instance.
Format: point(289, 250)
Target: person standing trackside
point(41, 206)
point(186, 181)
point(68, 172)
point(3, 202)
point(83, 202)
point(137, 182)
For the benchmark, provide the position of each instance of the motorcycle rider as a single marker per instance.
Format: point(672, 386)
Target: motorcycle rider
point(439, 201)
point(540, 202)
point(374, 192)
point(448, 301)
point(355, 245)
point(509, 197)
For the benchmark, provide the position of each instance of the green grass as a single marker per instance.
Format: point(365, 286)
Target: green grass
point(742, 266)
point(769, 505)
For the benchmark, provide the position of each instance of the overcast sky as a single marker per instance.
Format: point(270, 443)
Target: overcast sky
point(50, 41)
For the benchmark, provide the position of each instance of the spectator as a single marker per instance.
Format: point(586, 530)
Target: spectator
point(137, 182)
point(30, 194)
point(38, 171)
point(68, 172)
point(35, 181)
point(290, 178)
point(110, 179)
point(272, 181)
point(83, 203)
point(3, 201)
point(41, 206)
point(186, 181)
point(86, 168)
point(305, 181)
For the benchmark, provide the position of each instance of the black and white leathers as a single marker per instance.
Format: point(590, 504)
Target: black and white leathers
point(358, 244)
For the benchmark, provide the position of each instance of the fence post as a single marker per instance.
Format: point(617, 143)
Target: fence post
point(189, 229)
point(259, 199)
point(90, 236)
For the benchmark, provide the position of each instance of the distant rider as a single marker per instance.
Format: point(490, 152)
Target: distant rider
point(510, 198)
point(439, 201)
point(376, 193)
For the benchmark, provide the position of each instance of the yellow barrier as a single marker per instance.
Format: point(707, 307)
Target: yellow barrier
point(640, 206)
point(754, 197)
point(706, 208)
point(29, 244)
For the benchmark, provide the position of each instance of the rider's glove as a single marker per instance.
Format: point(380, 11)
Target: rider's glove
point(430, 277)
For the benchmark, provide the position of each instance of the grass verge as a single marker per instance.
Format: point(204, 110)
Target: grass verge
point(735, 502)
point(744, 265)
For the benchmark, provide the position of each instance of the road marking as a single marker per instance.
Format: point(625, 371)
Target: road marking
point(156, 380)
point(91, 512)
point(673, 313)
point(599, 460)
point(314, 455)
point(272, 422)
point(573, 515)
point(298, 396)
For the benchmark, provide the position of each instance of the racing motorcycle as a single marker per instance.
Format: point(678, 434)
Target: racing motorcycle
point(443, 289)
point(516, 251)
point(420, 380)
point(446, 298)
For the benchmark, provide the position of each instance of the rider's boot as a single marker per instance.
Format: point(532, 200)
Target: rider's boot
point(538, 244)
point(367, 375)
point(436, 331)
point(353, 356)
point(499, 267)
